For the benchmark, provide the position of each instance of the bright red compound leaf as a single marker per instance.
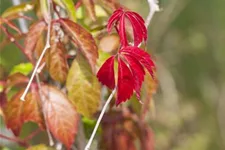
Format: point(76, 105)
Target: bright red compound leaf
point(142, 56)
point(138, 73)
point(139, 29)
point(125, 83)
point(106, 73)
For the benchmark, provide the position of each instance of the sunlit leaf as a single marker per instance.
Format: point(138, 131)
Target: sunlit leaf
point(56, 59)
point(21, 8)
point(45, 10)
point(69, 4)
point(84, 40)
point(40, 147)
point(32, 37)
point(60, 115)
point(18, 112)
point(23, 68)
point(60, 3)
point(83, 87)
point(90, 7)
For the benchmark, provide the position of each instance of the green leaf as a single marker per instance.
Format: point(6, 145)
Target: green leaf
point(24, 68)
point(69, 4)
point(24, 7)
point(83, 87)
point(40, 147)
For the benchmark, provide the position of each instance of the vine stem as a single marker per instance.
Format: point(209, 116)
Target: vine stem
point(154, 7)
point(47, 46)
point(99, 120)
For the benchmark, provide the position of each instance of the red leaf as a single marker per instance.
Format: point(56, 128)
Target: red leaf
point(106, 73)
point(122, 31)
point(18, 112)
point(61, 117)
point(114, 19)
point(137, 22)
point(143, 57)
point(139, 28)
point(32, 37)
point(84, 40)
point(125, 83)
point(138, 73)
point(147, 139)
point(16, 79)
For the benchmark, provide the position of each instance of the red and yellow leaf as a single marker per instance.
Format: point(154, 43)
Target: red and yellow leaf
point(60, 115)
point(84, 40)
point(56, 59)
point(32, 37)
point(18, 112)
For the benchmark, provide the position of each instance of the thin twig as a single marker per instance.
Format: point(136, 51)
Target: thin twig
point(33, 134)
point(47, 46)
point(15, 139)
point(154, 7)
point(99, 120)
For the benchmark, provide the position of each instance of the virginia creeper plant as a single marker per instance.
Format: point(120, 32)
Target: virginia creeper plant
point(73, 75)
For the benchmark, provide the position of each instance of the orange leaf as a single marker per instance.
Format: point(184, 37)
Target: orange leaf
point(32, 37)
point(18, 112)
point(56, 60)
point(61, 117)
point(16, 79)
point(84, 40)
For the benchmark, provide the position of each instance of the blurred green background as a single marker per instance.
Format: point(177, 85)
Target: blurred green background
point(187, 40)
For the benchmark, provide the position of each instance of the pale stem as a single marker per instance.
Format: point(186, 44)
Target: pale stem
point(99, 120)
point(47, 46)
point(154, 7)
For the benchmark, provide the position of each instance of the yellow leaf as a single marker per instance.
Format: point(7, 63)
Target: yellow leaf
point(83, 87)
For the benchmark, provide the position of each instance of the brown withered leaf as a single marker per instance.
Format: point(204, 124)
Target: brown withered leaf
point(56, 59)
point(60, 115)
point(116, 136)
point(147, 139)
point(90, 7)
point(18, 112)
point(150, 87)
point(83, 39)
point(83, 87)
point(32, 37)
point(16, 79)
